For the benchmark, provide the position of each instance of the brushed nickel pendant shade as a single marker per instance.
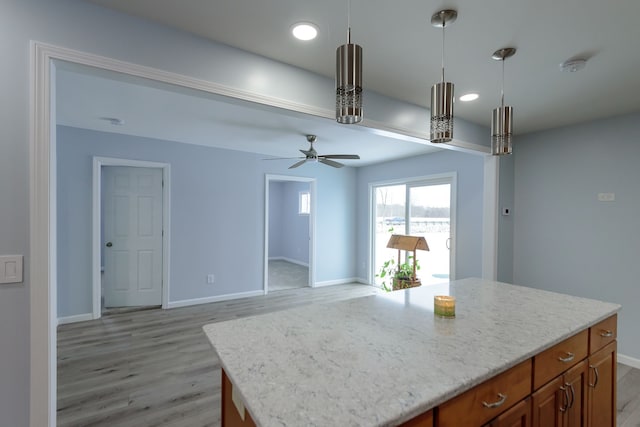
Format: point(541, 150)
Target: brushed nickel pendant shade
point(349, 79)
point(442, 95)
point(502, 117)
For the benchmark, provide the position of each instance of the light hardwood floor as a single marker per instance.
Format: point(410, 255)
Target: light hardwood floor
point(157, 368)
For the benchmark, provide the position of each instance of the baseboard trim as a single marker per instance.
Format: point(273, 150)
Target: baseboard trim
point(217, 298)
point(291, 260)
point(75, 318)
point(629, 361)
point(337, 282)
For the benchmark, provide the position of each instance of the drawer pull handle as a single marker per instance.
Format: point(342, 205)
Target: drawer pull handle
point(606, 333)
point(499, 402)
point(569, 358)
point(597, 375)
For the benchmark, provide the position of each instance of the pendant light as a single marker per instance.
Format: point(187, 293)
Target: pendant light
point(349, 79)
point(442, 93)
point(502, 117)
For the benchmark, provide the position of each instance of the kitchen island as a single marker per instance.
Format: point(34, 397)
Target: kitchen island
point(386, 360)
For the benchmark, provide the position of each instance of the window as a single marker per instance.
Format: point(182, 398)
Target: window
point(304, 203)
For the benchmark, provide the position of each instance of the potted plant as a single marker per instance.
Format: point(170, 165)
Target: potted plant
point(399, 276)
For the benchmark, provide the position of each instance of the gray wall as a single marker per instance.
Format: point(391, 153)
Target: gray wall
point(288, 230)
point(217, 215)
point(505, 222)
point(565, 239)
point(470, 173)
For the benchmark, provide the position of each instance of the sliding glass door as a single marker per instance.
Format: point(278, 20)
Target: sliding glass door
point(418, 208)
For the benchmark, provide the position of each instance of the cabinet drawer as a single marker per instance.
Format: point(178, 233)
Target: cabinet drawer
point(603, 333)
point(557, 359)
point(487, 400)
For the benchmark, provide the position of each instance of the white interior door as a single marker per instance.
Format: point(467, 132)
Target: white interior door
point(132, 221)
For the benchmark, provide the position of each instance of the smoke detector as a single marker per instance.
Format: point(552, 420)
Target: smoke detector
point(573, 65)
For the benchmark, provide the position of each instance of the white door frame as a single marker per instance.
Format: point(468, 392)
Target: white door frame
point(269, 178)
point(441, 178)
point(42, 199)
point(98, 163)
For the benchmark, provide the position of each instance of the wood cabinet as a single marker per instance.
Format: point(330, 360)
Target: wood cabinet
point(424, 420)
point(601, 390)
point(518, 416)
point(557, 359)
point(585, 394)
point(545, 404)
point(489, 399)
point(233, 412)
point(572, 384)
point(603, 333)
point(562, 401)
point(575, 381)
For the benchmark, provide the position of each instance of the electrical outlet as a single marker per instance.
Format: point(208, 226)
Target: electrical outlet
point(211, 279)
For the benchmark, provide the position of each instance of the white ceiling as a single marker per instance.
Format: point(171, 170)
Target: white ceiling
point(85, 97)
point(402, 50)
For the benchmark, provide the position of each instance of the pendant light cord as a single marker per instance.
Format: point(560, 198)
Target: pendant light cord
point(502, 88)
point(348, 21)
point(443, 24)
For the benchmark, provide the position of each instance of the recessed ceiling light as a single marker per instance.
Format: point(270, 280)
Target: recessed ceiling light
point(304, 31)
point(573, 65)
point(469, 97)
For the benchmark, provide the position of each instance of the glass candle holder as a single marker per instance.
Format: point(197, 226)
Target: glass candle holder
point(444, 306)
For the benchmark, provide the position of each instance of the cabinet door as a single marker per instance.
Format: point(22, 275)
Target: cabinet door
point(547, 402)
point(424, 420)
point(518, 416)
point(230, 416)
point(575, 379)
point(602, 387)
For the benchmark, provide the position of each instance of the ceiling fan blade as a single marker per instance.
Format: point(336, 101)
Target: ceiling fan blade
point(341, 156)
point(284, 158)
point(330, 162)
point(295, 165)
point(306, 153)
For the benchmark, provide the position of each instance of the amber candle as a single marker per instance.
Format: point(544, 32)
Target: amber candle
point(444, 306)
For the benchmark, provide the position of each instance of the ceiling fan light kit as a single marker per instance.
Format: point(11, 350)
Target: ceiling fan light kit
point(502, 117)
point(442, 96)
point(349, 79)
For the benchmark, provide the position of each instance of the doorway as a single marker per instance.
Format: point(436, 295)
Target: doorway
point(43, 198)
point(419, 207)
point(289, 231)
point(130, 234)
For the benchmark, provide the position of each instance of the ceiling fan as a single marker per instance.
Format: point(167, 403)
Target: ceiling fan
point(311, 155)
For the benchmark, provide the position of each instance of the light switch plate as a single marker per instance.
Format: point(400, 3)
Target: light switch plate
point(10, 269)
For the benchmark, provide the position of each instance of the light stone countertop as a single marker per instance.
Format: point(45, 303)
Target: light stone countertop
point(384, 359)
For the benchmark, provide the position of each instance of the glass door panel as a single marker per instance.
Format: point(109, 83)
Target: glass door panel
point(390, 218)
point(430, 217)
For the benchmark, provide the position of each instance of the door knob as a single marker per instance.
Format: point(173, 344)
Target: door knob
point(109, 244)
